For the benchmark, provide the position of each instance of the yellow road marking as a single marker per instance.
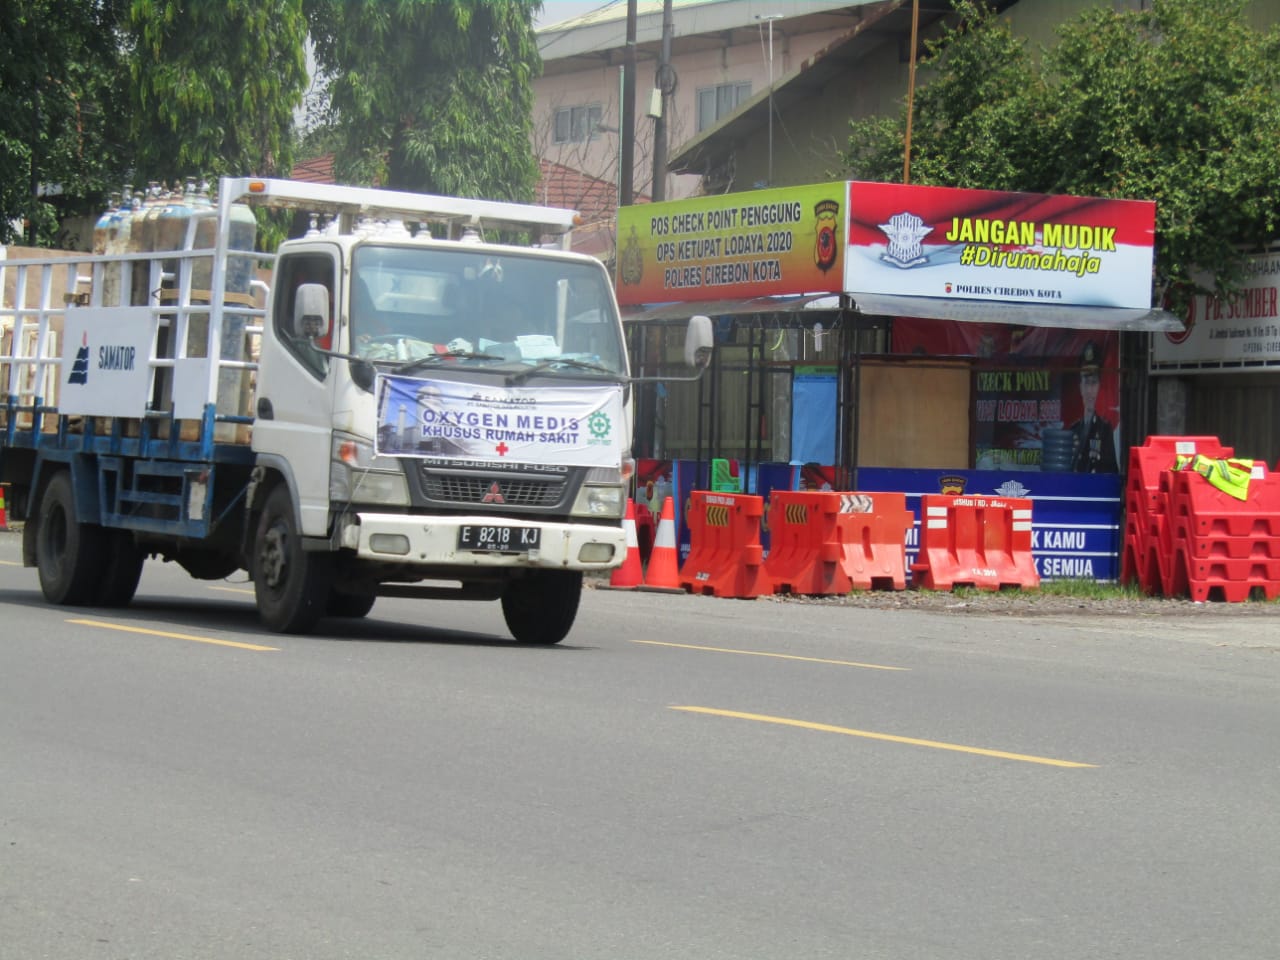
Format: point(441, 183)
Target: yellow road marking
point(174, 636)
point(233, 590)
point(10, 563)
point(778, 656)
point(937, 745)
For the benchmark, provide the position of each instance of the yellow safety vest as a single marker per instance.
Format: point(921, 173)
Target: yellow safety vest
point(1230, 476)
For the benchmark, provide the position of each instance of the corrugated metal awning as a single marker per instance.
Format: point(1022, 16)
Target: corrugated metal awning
point(1018, 314)
point(719, 308)
point(934, 308)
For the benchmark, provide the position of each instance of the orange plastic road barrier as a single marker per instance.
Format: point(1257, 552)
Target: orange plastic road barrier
point(805, 551)
point(663, 574)
point(726, 558)
point(629, 575)
point(982, 542)
point(873, 536)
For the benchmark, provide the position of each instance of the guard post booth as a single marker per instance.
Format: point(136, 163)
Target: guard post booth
point(888, 337)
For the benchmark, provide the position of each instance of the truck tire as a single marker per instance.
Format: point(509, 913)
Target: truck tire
point(540, 607)
point(351, 605)
point(69, 554)
point(119, 578)
point(289, 583)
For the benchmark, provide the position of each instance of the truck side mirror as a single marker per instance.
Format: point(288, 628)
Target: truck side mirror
point(698, 340)
point(310, 311)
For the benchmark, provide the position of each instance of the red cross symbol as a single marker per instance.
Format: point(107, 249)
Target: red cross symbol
point(501, 449)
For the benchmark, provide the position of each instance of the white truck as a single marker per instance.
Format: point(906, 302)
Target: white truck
point(422, 397)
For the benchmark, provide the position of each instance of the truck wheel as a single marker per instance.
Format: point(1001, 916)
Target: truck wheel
point(69, 554)
point(288, 582)
point(540, 607)
point(119, 578)
point(353, 605)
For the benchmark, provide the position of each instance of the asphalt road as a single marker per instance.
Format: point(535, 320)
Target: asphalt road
point(684, 777)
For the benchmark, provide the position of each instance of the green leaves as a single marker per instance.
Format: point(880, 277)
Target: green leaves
point(61, 90)
point(431, 95)
point(214, 85)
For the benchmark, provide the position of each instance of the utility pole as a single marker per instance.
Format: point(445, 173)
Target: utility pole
point(627, 161)
point(662, 81)
point(770, 18)
point(911, 91)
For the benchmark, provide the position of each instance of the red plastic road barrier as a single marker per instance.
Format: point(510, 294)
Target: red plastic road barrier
point(1219, 547)
point(629, 575)
point(805, 551)
point(4, 515)
point(873, 535)
point(1143, 558)
point(725, 555)
point(982, 542)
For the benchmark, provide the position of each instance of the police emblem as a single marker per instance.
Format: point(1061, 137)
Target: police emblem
point(826, 244)
point(631, 261)
point(905, 231)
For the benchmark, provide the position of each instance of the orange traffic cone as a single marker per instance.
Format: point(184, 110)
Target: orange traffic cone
point(629, 575)
point(663, 575)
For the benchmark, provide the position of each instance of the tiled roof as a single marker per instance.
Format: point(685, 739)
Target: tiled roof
point(561, 186)
point(316, 170)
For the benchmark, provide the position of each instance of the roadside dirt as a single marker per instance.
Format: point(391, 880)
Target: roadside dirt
point(1023, 603)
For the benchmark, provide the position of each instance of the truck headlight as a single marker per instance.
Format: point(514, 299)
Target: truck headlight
point(357, 476)
point(606, 501)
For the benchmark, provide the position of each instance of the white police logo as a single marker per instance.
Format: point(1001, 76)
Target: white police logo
point(905, 231)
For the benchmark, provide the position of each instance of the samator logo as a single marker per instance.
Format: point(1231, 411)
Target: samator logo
point(80, 366)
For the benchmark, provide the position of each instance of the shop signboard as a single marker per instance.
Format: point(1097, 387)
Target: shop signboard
point(1015, 248)
point(1237, 332)
point(764, 243)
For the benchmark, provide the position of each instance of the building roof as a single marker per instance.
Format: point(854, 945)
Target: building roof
point(600, 36)
point(877, 22)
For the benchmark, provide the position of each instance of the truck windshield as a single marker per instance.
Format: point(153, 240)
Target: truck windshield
point(412, 302)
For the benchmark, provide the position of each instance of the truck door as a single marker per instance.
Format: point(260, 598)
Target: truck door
point(292, 429)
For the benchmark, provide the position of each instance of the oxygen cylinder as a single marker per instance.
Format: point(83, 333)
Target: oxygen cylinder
point(115, 274)
point(141, 240)
point(102, 227)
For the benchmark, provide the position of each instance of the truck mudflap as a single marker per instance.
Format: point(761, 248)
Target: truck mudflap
point(484, 541)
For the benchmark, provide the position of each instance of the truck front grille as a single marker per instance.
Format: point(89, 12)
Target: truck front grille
point(497, 491)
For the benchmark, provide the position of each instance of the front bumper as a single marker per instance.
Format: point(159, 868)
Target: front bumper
point(433, 541)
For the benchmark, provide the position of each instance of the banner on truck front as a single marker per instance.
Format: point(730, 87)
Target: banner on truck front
point(458, 420)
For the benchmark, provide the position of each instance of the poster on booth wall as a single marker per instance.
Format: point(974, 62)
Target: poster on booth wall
point(961, 244)
point(1044, 399)
point(457, 420)
point(762, 243)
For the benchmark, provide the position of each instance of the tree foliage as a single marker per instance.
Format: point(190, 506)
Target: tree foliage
point(62, 82)
point(431, 95)
point(215, 85)
point(1179, 103)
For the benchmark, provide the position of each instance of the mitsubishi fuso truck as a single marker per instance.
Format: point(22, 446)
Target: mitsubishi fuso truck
point(422, 396)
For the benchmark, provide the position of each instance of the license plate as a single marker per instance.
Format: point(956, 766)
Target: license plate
point(499, 539)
